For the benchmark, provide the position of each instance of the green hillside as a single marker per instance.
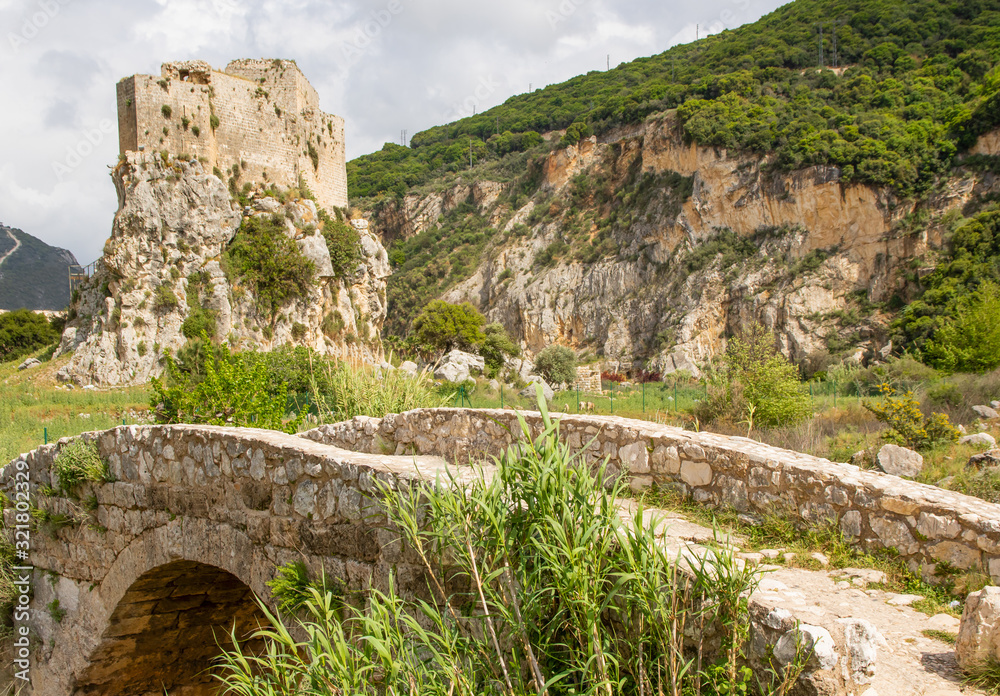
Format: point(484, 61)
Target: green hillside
point(35, 276)
point(920, 85)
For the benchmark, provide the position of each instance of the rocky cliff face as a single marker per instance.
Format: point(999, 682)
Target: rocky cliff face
point(33, 275)
point(651, 250)
point(164, 261)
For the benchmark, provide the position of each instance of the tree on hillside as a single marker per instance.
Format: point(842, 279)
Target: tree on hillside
point(442, 326)
point(496, 347)
point(557, 364)
point(758, 385)
point(970, 342)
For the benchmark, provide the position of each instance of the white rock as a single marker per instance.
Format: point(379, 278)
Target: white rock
point(409, 367)
point(861, 643)
point(899, 461)
point(904, 600)
point(986, 412)
point(979, 439)
point(979, 631)
point(806, 639)
point(494, 385)
point(995, 404)
point(29, 363)
point(457, 366)
point(529, 391)
point(943, 622)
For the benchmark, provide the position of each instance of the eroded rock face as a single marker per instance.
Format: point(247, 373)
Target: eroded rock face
point(821, 245)
point(173, 223)
point(458, 366)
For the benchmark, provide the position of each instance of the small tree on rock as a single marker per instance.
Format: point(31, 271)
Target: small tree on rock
point(441, 326)
point(557, 364)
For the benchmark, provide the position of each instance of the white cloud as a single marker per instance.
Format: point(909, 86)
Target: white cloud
point(413, 64)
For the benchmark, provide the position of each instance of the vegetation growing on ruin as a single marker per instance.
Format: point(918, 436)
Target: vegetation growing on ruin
point(557, 594)
point(343, 243)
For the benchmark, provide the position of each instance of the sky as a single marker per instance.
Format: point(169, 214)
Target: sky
point(384, 65)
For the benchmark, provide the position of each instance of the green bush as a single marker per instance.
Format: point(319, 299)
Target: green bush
point(164, 299)
point(970, 340)
point(344, 244)
point(234, 390)
point(199, 322)
point(557, 364)
point(23, 332)
point(271, 266)
point(757, 384)
point(441, 326)
point(907, 424)
point(166, 110)
point(496, 347)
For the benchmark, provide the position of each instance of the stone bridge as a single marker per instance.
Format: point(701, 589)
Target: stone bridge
point(198, 518)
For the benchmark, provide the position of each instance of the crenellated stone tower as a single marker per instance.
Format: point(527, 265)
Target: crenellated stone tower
point(258, 120)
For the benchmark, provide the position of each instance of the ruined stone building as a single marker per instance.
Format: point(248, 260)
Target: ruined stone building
point(258, 120)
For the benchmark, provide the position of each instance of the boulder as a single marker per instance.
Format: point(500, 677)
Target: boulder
point(995, 404)
point(29, 363)
point(315, 249)
point(899, 461)
point(457, 366)
point(529, 391)
point(409, 367)
point(984, 439)
point(979, 631)
point(986, 412)
point(861, 642)
point(979, 461)
point(522, 367)
point(494, 385)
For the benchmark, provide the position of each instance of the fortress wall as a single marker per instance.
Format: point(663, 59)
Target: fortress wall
point(268, 116)
point(927, 525)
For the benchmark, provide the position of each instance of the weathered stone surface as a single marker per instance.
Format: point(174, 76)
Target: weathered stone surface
point(979, 632)
point(29, 363)
point(862, 640)
point(899, 461)
point(986, 412)
point(458, 366)
point(983, 439)
point(529, 391)
point(810, 639)
point(410, 367)
point(991, 458)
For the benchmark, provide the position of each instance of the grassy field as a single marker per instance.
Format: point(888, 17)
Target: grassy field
point(33, 405)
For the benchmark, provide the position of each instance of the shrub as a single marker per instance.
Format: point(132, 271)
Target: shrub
point(333, 324)
point(757, 384)
point(907, 425)
point(366, 391)
point(496, 347)
point(185, 122)
point(234, 391)
point(166, 110)
point(615, 377)
point(344, 245)
point(298, 331)
point(557, 364)
point(441, 326)
point(970, 341)
point(213, 121)
point(79, 462)
point(164, 299)
point(196, 130)
point(22, 332)
point(263, 257)
point(200, 322)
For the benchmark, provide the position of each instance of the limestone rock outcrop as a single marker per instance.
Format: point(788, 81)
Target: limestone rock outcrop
point(164, 260)
point(818, 261)
point(978, 640)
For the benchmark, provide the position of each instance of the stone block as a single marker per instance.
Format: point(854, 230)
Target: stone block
point(696, 473)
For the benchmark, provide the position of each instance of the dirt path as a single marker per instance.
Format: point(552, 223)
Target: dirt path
point(17, 245)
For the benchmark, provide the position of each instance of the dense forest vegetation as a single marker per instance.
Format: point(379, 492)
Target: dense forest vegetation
point(920, 84)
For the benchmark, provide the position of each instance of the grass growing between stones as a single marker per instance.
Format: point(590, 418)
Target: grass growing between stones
point(797, 546)
point(534, 585)
point(985, 677)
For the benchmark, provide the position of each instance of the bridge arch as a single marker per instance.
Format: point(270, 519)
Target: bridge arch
point(165, 633)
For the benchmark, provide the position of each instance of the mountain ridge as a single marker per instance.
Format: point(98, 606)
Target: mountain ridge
point(33, 274)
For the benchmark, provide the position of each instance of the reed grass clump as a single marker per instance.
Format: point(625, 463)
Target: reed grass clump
point(536, 585)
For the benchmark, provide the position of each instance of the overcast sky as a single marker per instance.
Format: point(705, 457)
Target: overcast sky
point(384, 65)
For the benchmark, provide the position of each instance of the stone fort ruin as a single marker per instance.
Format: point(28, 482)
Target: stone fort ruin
point(258, 120)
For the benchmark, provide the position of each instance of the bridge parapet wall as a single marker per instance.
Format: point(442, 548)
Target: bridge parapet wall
point(927, 525)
